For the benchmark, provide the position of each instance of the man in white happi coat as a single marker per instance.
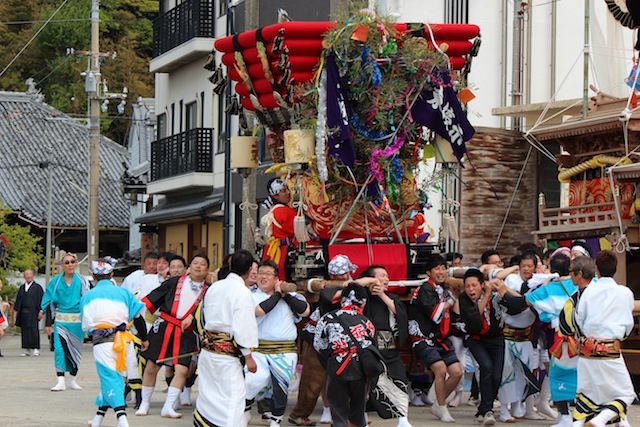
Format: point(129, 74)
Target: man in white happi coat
point(518, 353)
point(228, 333)
point(603, 317)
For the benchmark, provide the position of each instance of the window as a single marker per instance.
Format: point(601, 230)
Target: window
point(222, 123)
point(173, 118)
point(162, 127)
point(191, 116)
point(222, 7)
point(263, 149)
point(456, 11)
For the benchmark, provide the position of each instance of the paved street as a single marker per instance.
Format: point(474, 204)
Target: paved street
point(25, 399)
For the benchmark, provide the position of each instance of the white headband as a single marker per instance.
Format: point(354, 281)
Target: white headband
point(104, 266)
point(580, 249)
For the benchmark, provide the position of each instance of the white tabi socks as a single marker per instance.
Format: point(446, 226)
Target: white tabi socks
point(601, 419)
point(543, 400)
point(326, 415)
point(147, 392)
point(61, 386)
point(123, 421)
point(173, 393)
point(185, 396)
point(564, 421)
point(72, 384)
point(404, 422)
point(96, 421)
point(530, 411)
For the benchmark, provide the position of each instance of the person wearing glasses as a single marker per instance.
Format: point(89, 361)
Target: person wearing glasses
point(277, 314)
point(61, 303)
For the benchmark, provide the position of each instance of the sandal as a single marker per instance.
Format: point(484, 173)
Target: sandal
point(301, 421)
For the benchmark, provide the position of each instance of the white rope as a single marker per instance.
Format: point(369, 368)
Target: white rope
point(513, 196)
point(533, 142)
point(246, 203)
point(553, 98)
point(622, 243)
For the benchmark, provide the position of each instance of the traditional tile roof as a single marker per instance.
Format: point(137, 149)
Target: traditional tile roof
point(31, 132)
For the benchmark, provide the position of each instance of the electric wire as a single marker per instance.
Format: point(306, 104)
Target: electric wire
point(32, 39)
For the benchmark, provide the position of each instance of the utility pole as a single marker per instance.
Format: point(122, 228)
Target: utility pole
point(92, 87)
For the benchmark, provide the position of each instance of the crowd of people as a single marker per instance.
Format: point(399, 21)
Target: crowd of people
point(545, 329)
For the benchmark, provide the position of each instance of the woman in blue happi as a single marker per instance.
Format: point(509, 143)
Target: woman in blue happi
point(108, 311)
point(61, 303)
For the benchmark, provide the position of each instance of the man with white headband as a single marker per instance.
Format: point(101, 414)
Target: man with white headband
point(278, 224)
point(108, 311)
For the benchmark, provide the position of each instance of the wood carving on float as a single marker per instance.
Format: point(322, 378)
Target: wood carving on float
point(373, 92)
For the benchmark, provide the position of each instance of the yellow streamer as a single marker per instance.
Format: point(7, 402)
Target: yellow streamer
point(120, 341)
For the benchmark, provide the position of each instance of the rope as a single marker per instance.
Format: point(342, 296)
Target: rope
point(513, 196)
point(246, 203)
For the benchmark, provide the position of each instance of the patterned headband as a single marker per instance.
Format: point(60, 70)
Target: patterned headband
point(341, 264)
point(276, 186)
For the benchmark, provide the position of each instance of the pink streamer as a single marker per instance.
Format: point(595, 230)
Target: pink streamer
point(387, 152)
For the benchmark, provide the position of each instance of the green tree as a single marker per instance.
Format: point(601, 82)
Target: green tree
point(24, 250)
point(125, 27)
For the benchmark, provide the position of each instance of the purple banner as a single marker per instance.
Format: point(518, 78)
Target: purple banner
point(340, 143)
point(440, 111)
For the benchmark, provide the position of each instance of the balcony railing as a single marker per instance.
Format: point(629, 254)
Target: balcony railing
point(581, 218)
point(190, 151)
point(190, 19)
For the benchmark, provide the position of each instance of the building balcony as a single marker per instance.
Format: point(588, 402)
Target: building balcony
point(182, 162)
point(182, 35)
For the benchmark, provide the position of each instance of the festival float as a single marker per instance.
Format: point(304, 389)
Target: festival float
point(349, 109)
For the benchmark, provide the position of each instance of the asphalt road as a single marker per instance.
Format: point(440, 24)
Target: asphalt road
point(26, 401)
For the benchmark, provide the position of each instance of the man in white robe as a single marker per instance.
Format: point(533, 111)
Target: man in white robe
point(603, 317)
point(518, 349)
point(229, 328)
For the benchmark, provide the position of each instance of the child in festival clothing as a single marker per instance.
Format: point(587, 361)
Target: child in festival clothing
point(346, 382)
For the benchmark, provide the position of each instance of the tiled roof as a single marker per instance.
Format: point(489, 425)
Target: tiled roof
point(184, 207)
point(29, 130)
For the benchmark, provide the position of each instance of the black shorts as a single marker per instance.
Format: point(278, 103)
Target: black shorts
point(430, 355)
point(157, 342)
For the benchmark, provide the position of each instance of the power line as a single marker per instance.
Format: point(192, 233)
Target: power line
point(66, 58)
point(32, 38)
point(73, 20)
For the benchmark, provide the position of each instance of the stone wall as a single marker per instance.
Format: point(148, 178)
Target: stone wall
point(498, 156)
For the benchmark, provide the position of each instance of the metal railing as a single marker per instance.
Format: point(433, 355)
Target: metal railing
point(190, 151)
point(190, 19)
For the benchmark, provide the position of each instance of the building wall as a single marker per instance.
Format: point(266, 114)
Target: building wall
point(214, 243)
point(176, 237)
point(612, 51)
point(498, 157)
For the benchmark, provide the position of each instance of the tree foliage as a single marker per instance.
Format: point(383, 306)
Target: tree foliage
point(24, 250)
point(125, 28)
